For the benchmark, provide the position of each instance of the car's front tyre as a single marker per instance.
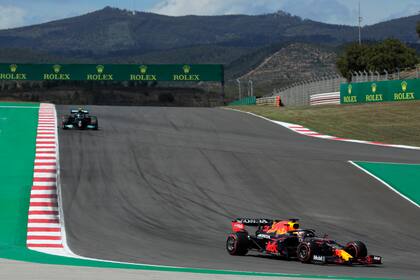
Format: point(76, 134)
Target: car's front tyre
point(357, 249)
point(305, 252)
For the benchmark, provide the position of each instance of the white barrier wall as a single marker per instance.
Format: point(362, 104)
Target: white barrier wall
point(325, 98)
point(267, 101)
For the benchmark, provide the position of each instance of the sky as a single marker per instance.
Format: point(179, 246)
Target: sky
point(17, 13)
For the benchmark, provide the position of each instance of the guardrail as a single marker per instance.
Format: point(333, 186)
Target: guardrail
point(270, 101)
point(298, 94)
point(325, 98)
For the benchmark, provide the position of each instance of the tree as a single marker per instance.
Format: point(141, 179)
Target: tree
point(418, 28)
point(390, 54)
point(353, 59)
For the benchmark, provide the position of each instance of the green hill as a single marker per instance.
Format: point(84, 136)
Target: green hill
point(241, 42)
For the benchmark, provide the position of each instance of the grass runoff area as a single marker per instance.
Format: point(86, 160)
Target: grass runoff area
point(391, 123)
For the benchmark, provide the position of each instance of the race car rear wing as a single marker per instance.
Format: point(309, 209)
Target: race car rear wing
point(260, 222)
point(240, 223)
point(254, 222)
point(77, 111)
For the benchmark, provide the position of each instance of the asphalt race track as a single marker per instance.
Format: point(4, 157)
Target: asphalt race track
point(160, 186)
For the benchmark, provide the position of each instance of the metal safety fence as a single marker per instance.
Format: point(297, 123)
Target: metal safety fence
point(299, 94)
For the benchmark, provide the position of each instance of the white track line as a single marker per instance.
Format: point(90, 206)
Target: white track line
point(385, 183)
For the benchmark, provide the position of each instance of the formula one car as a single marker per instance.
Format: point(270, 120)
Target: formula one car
point(283, 238)
point(80, 119)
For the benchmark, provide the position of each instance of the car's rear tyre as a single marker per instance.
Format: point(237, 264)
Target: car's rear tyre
point(356, 249)
point(305, 252)
point(94, 122)
point(64, 122)
point(237, 244)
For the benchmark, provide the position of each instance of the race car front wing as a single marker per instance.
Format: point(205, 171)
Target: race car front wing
point(368, 260)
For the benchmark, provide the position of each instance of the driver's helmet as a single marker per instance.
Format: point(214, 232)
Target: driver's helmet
point(302, 234)
point(80, 110)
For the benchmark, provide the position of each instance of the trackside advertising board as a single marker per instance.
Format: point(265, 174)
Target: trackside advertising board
point(112, 72)
point(398, 90)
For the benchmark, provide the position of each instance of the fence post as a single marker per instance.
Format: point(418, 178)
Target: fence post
point(251, 83)
point(239, 88)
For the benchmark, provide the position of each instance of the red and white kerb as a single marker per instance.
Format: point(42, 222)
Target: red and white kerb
point(44, 230)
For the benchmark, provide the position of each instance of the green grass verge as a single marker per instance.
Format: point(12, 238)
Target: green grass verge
point(403, 178)
point(18, 125)
point(392, 122)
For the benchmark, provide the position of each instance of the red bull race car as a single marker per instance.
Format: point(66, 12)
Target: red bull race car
point(80, 119)
point(284, 238)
